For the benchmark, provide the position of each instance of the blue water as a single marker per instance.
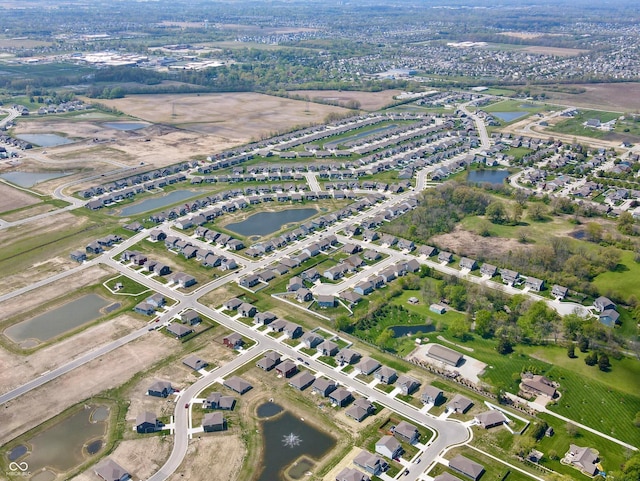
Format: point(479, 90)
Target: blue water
point(45, 140)
point(29, 179)
point(399, 331)
point(157, 202)
point(264, 223)
point(494, 177)
point(509, 116)
point(126, 125)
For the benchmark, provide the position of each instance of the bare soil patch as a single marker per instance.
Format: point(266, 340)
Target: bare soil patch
point(463, 242)
point(19, 369)
point(108, 371)
point(140, 457)
point(230, 117)
point(618, 97)
point(30, 212)
point(368, 100)
point(202, 449)
point(556, 51)
point(12, 198)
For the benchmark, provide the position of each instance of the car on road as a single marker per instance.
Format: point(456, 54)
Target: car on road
point(186, 406)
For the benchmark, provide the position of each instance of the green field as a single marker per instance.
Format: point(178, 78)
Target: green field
point(622, 283)
point(574, 125)
point(514, 106)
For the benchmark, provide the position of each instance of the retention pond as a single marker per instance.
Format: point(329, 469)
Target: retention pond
point(265, 223)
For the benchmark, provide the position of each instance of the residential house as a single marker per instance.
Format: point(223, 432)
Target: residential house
point(304, 295)
point(144, 308)
point(109, 470)
point(491, 418)
point(327, 348)
point(603, 303)
point(609, 317)
point(311, 340)
point(360, 409)
point(228, 264)
point(488, 270)
point(232, 304)
point(78, 256)
point(269, 361)
point(212, 422)
point(351, 474)
point(431, 395)
point(559, 291)
point(371, 463)
point(249, 281)
point(389, 447)
point(427, 251)
point(446, 477)
point(147, 422)
point(347, 356)
point(302, 380)
point(537, 385)
point(237, 384)
point(179, 330)
point(156, 300)
point(467, 467)
point(583, 458)
point(190, 317)
point(160, 389)
point(294, 284)
point(215, 400)
point(404, 244)
point(341, 397)
point(286, 369)
point(467, 263)
point(323, 386)
point(371, 255)
point(534, 284)
point(445, 257)
point(247, 310)
point(459, 404)
point(386, 375)
point(406, 432)
point(233, 340)
point(350, 297)
point(194, 362)
point(367, 365)
point(407, 384)
point(509, 277)
point(325, 301)
point(264, 318)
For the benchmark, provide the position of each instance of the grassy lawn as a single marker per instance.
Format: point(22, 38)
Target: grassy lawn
point(623, 282)
point(514, 106)
point(574, 126)
point(129, 286)
point(494, 469)
point(536, 231)
point(607, 402)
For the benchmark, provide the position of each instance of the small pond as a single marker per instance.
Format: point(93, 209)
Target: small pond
point(45, 140)
point(94, 446)
point(59, 320)
point(494, 177)
point(29, 179)
point(112, 307)
point(287, 440)
point(509, 116)
point(265, 223)
point(60, 447)
point(17, 452)
point(157, 202)
point(399, 331)
point(126, 125)
point(358, 136)
point(268, 409)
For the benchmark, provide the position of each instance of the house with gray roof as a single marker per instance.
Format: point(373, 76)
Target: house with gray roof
point(216, 400)
point(160, 389)
point(467, 467)
point(488, 270)
point(194, 362)
point(371, 463)
point(351, 474)
point(386, 375)
point(406, 432)
point(431, 395)
point(459, 404)
point(347, 356)
point(179, 330)
point(213, 422)
point(407, 384)
point(360, 409)
point(467, 263)
point(534, 284)
point(389, 447)
point(323, 386)
point(603, 303)
point(190, 318)
point(147, 422)
point(109, 470)
point(446, 477)
point(237, 384)
point(302, 380)
point(367, 365)
point(311, 340)
point(583, 458)
point(559, 291)
point(341, 397)
point(327, 348)
point(491, 419)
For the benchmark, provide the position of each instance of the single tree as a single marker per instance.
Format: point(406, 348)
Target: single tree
point(571, 351)
point(591, 359)
point(603, 362)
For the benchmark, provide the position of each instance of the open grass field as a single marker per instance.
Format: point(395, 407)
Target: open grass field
point(368, 100)
point(236, 116)
point(621, 97)
point(514, 106)
point(574, 126)
point(623, 282)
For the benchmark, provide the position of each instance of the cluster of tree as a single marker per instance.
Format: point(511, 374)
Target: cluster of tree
point(439, 210)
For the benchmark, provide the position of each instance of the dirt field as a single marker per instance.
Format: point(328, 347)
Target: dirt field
point(556, 51)
point(464, 242)
point(12, 198)
point(368, 100)
point(18, 369)
point(619, 97)
point(198, 465)
point(106, 372)
point(230, 117)
point(141, 457)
